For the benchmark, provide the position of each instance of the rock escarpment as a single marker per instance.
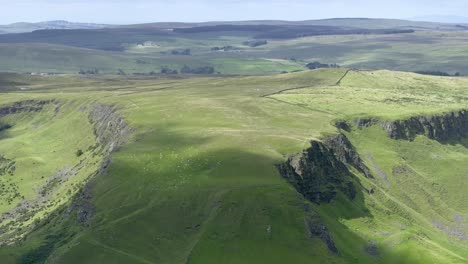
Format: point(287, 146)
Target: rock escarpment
point(445, 127)
point(110, 128)
point(321, 171)
point(344, 151)
point(316, 228)
point(24, 107)
point(111, 132)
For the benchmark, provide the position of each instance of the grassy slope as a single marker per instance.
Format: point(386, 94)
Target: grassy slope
point(384, 94)
point(199, 184)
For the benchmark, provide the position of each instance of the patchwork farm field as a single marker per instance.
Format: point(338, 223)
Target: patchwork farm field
point(177, 169)
point(148, 50)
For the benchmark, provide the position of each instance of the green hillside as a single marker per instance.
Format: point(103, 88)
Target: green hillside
point(185, 170)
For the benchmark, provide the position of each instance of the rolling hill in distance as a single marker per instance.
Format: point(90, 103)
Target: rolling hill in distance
point(22, 27)
point(230, 48)
point(321, 141)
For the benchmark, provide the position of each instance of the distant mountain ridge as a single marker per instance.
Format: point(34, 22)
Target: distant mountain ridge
point(367, 23)
point(364, 23)
point(24, 27)
point(442, 19)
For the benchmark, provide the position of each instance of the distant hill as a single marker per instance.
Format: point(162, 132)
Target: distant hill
point(439, 23)
point(442, 19)
point(24, 27)
point(363, 23)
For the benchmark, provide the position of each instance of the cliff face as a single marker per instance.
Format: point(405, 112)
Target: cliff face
point(111, 132)
point(110, 128)
point(449, 126)
point(345, 152)
point(320, 171)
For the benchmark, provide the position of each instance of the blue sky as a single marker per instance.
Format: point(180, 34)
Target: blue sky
point(140, 11)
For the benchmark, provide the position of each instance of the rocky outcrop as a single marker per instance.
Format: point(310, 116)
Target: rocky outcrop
point(321, 171)
point(345, 152)
point(365, 122)
point(24, 107)
point(316, 228)
point(445, 127)
point(110, 128)
point(111, 132)
point(372, 248)
point(82, 205)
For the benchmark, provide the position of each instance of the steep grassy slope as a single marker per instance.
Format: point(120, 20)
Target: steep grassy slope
point(198, 183)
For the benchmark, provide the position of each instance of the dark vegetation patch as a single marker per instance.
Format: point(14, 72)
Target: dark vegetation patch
point(167, 70)
point(199, 70)
point(186, 70)
point(289, 31)
point(438, 73)
point(225, 48)
point(255, 43)
point(41, 253)
point(184, 52)
point(4, 127)
point(317, 65)
point(79, 152)
point(88, 71)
